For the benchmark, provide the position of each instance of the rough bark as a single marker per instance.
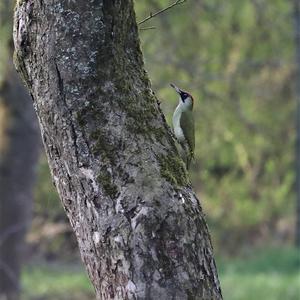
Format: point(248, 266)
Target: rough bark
point(297, 148)
point(19, 147)
point(140, 228)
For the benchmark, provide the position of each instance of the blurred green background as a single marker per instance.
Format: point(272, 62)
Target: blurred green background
point(237, 59)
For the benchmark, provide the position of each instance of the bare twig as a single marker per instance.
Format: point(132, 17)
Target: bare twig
point(152, 15)
point(147, 28)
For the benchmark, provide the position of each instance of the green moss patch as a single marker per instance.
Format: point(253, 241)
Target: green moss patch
point(103, 146)
point(173, 170)
point(105, 180)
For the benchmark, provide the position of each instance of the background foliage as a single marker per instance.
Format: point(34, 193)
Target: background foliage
point(236, 58)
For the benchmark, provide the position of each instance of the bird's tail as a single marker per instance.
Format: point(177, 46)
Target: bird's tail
point(186, 154)
point(189, 158)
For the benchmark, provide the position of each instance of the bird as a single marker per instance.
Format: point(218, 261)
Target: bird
point(184, 125)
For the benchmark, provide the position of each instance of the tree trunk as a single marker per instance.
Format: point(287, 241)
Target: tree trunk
point(140, 229)
point(297, 41)
point(19, 147)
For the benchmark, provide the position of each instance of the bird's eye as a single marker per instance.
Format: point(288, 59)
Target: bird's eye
point(184, 96)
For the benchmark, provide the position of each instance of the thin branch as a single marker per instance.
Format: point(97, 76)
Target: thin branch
point(147, 28)
point(152, 15)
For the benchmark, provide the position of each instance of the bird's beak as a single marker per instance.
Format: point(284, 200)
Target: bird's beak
point(177, 89)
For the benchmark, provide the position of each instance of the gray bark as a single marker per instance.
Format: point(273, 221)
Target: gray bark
point(140, 228)
point(297, 41)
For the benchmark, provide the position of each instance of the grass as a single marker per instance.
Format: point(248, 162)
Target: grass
point(269, 274)
point(59, 282)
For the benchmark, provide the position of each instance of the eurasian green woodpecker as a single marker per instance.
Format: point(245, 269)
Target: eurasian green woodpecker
point(184, 125)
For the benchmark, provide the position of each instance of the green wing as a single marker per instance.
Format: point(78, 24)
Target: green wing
point(188, 127)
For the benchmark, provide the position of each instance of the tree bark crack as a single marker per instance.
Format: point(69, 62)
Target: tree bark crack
point(70, 120)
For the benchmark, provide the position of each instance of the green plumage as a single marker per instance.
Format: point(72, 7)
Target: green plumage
point(188, 127)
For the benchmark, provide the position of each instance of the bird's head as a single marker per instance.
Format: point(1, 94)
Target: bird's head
point(185, 97)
